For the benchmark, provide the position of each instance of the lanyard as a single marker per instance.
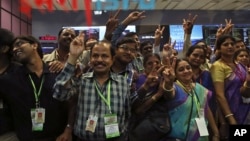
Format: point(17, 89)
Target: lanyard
point(197, 103)
point(193, 94)
point(106, 100)
point(126, 75)
point(37, 94)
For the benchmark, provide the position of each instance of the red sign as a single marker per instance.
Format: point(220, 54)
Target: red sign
point(25, 7)
point(47, 38)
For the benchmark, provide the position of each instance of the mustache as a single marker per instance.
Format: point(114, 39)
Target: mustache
point(99, 63)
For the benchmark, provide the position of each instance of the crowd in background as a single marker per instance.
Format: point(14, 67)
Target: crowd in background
point(91, 90)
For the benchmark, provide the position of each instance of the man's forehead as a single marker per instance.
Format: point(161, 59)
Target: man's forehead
point(71, 30)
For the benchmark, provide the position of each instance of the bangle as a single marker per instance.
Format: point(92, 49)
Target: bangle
point(245, 85)
point(228, 115)
point(153, 98)
point(168, 90)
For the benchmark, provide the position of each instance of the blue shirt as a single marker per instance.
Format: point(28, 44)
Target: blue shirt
point(89, 102)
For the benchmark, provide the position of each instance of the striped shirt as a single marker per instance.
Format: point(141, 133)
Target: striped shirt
point(89, 102)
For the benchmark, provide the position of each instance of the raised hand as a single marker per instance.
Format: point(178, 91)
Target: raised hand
point(152, 78)
point(158, 34)
point(111, 24)
point(134, 16)
point(226, 30)
point(168, 73)
point(77, 46)
point(189, 23)
point(167, 50)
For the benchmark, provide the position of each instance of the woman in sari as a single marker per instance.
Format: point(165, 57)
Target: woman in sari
point(196, 56)
point(189, 107)
point(231, 82)
point(149, 100)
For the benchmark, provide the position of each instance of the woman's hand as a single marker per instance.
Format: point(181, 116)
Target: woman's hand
point(226, 30)
point(152, 78)
point(168, 73)
point(189, 23)
point(167, 50)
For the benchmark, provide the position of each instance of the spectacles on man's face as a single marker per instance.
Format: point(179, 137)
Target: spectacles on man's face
point(127, 48)
point(19, 43)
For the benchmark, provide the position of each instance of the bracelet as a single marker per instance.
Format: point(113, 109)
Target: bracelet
point(245, 85)
point(168, 90)
point(228, 115)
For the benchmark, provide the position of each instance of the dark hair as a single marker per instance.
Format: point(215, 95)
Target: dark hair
point(146, 57)
point(6, 38)
point(239, 51)
point(104, 42)
point(201, 41)
point(178, 61)
point(125, 40)
point(131, 34)
point(144, 43)
point(31, 40)
point(220, 41)
point(192, 48)
point(60, 32)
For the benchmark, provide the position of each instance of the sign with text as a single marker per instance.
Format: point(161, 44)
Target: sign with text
point(66, 5)
point(47, 37)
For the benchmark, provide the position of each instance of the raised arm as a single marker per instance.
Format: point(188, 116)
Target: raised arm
point(188, 27)
point(158, 33)
point(65, 85)
point(111, 25)
point(132, 17)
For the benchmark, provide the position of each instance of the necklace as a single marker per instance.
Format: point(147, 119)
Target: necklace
point(187, 88)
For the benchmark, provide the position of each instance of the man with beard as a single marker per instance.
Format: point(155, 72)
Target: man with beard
point(103, 107)
point(28, 90)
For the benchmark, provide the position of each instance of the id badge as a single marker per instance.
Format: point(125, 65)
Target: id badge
point(35, 126)
point(111, 126)
point(40, 115)
point(1, 104)
point(91, 123)
point(202, 127)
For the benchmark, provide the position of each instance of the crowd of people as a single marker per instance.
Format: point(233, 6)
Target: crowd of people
point(91, 90)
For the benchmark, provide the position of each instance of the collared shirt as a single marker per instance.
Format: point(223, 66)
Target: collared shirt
point(16, 88)
point(89, 102)
point(128, 73)
point(51, 57)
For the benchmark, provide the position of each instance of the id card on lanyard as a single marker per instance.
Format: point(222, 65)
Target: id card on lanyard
point(110, 120)
point(37, 113)
point(200, 121)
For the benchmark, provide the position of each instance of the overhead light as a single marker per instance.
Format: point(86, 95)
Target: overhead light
point(96, 12)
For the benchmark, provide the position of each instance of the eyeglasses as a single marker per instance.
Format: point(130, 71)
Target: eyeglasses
point(19, 43)
point(126, 48)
